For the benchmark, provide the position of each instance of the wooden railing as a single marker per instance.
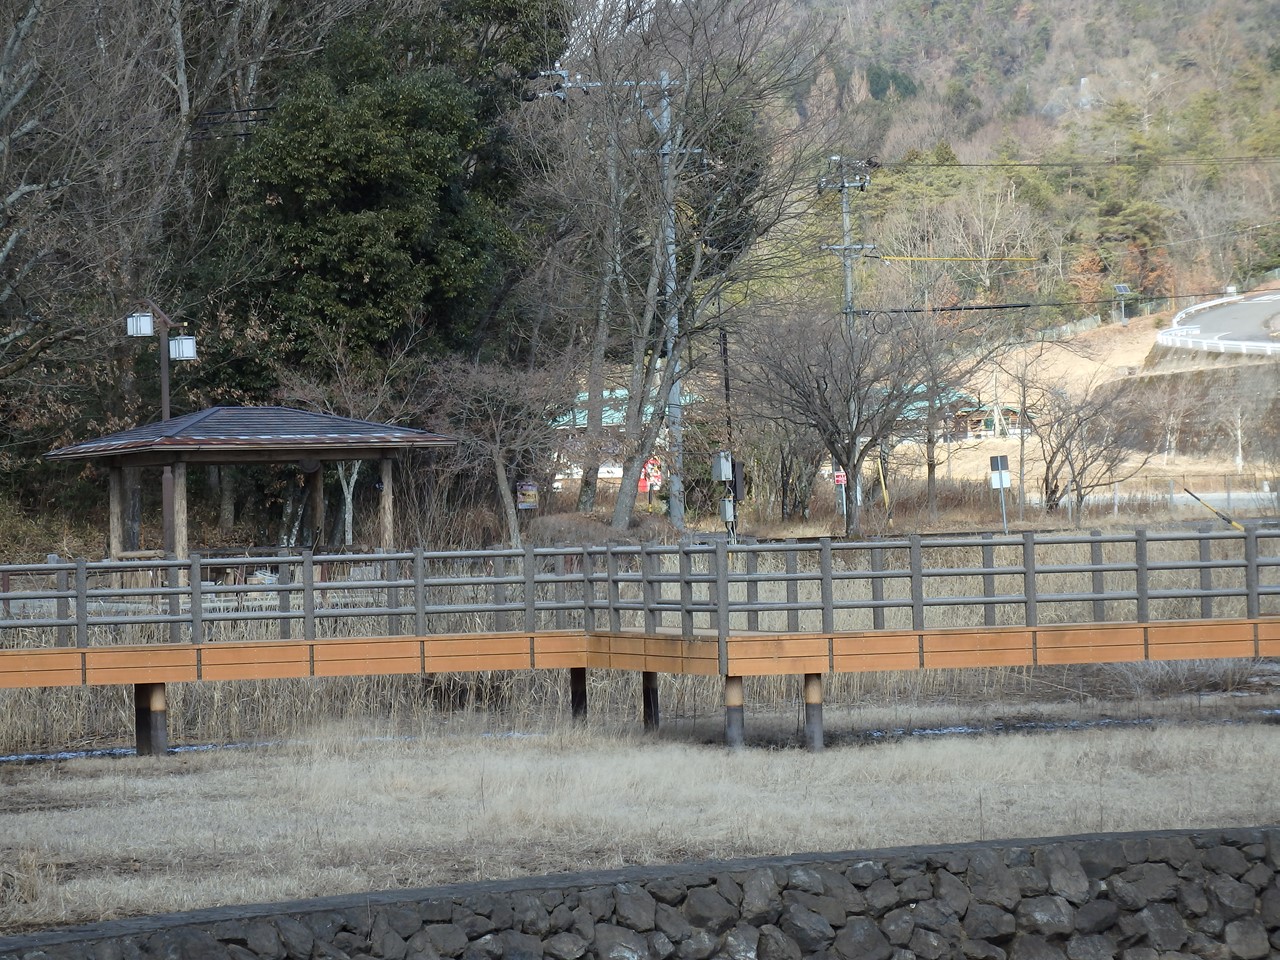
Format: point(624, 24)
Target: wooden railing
point(710, 609)
point(822, 586)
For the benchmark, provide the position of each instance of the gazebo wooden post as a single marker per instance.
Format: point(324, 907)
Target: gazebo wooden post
point(181, 539)
point(115, 513)
point(315, 488)
point(386, 505)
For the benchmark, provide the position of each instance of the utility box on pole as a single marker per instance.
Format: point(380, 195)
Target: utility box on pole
point(722, 466)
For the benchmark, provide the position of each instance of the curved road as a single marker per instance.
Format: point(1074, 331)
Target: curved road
point(1249, 318)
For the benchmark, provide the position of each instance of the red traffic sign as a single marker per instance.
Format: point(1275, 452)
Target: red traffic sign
point(840, 478)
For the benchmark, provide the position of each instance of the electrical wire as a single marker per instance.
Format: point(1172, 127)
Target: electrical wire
point(1028, 306)
point(1073, 164)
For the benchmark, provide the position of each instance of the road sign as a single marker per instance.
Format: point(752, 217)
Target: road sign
point(652, 475)
point(840, 478)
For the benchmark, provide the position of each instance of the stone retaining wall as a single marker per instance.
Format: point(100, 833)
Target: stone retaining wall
point(1166, 896)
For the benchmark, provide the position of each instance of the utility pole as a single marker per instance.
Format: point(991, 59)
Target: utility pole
point(845, 176)
point(661, 120)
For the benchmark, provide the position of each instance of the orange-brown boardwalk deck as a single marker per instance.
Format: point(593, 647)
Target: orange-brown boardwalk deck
point(745, 654)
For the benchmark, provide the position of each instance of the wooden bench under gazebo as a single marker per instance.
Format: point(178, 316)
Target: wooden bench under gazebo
point(244, 435)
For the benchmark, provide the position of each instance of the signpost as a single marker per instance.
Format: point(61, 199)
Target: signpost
point(841, 480)
point(650, 479)
point(1001, 481)
point(526, 495)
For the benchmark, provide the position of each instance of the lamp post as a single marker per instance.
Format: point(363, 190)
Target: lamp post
point(142, 324)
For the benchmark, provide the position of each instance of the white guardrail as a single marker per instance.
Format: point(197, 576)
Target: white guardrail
point(1187, 336)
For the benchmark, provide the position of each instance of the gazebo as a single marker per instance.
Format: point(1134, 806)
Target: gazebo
point(242, 435)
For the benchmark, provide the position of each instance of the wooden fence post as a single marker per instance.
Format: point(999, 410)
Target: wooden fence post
point(686, 592)
point(825, 589)
point(530, 589)
point(722, 605)
point(917, 581)
point(500, 620)
point(309, 594)
point(1206, 574)
point(1142, 611)
point(61, 606)
point(419, 592)
point(195, 575)
point(1031, 614)
point(988, 580)
point(793, 588)
point(877, 588)
point(614, 589)
point(284, 598)
point(649, 588)
point(1098, 580)
point(1252, 599)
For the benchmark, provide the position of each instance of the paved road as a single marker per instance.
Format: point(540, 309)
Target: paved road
point(1246, 319)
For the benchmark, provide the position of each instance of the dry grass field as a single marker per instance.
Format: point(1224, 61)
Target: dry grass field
point(352, 808)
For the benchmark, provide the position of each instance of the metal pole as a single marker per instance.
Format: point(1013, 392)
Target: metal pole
point(166, 478)
point(847, 249)
point(675, 409)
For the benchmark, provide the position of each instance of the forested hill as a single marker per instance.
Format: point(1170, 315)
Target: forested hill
point(1194, 73)
point(1143, 138)
point(466, 215)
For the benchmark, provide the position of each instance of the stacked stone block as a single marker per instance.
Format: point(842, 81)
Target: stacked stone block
point(1170, 896)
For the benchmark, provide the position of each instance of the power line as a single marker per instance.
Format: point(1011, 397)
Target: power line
point(1073, 164)
point(1027, 306)
point(876, 256)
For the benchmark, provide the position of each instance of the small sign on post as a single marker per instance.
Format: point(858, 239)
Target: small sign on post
point(526, 495)
point(1000, 480)
point(840, 478)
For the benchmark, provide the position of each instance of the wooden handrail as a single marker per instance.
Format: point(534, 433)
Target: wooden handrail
point(744, 654)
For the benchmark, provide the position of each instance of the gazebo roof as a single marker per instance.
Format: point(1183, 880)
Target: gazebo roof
point(251, 434)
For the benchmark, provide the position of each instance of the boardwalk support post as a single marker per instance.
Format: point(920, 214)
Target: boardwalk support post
point(150, 719)
point(813, 711)
point(578, 692)
point(649, 699)
point(734, 730)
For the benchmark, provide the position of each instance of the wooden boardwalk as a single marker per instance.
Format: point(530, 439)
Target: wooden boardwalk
point(150, 667)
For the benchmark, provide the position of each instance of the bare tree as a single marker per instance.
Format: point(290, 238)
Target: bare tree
point(1240, 404)
point(504, 419)
point(1089, 438)
point(677, 137)
point(351, 383)
point(107, 113)
point(850, 383)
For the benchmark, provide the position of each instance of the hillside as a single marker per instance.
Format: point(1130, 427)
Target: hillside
point(451, 216)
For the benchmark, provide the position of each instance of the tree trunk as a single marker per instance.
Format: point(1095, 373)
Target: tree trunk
point(348, 471)
point(508, 500)
point(599, 345)
point(226, 501)
point(931, 471)
point(632, 467)
point(132, 508)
